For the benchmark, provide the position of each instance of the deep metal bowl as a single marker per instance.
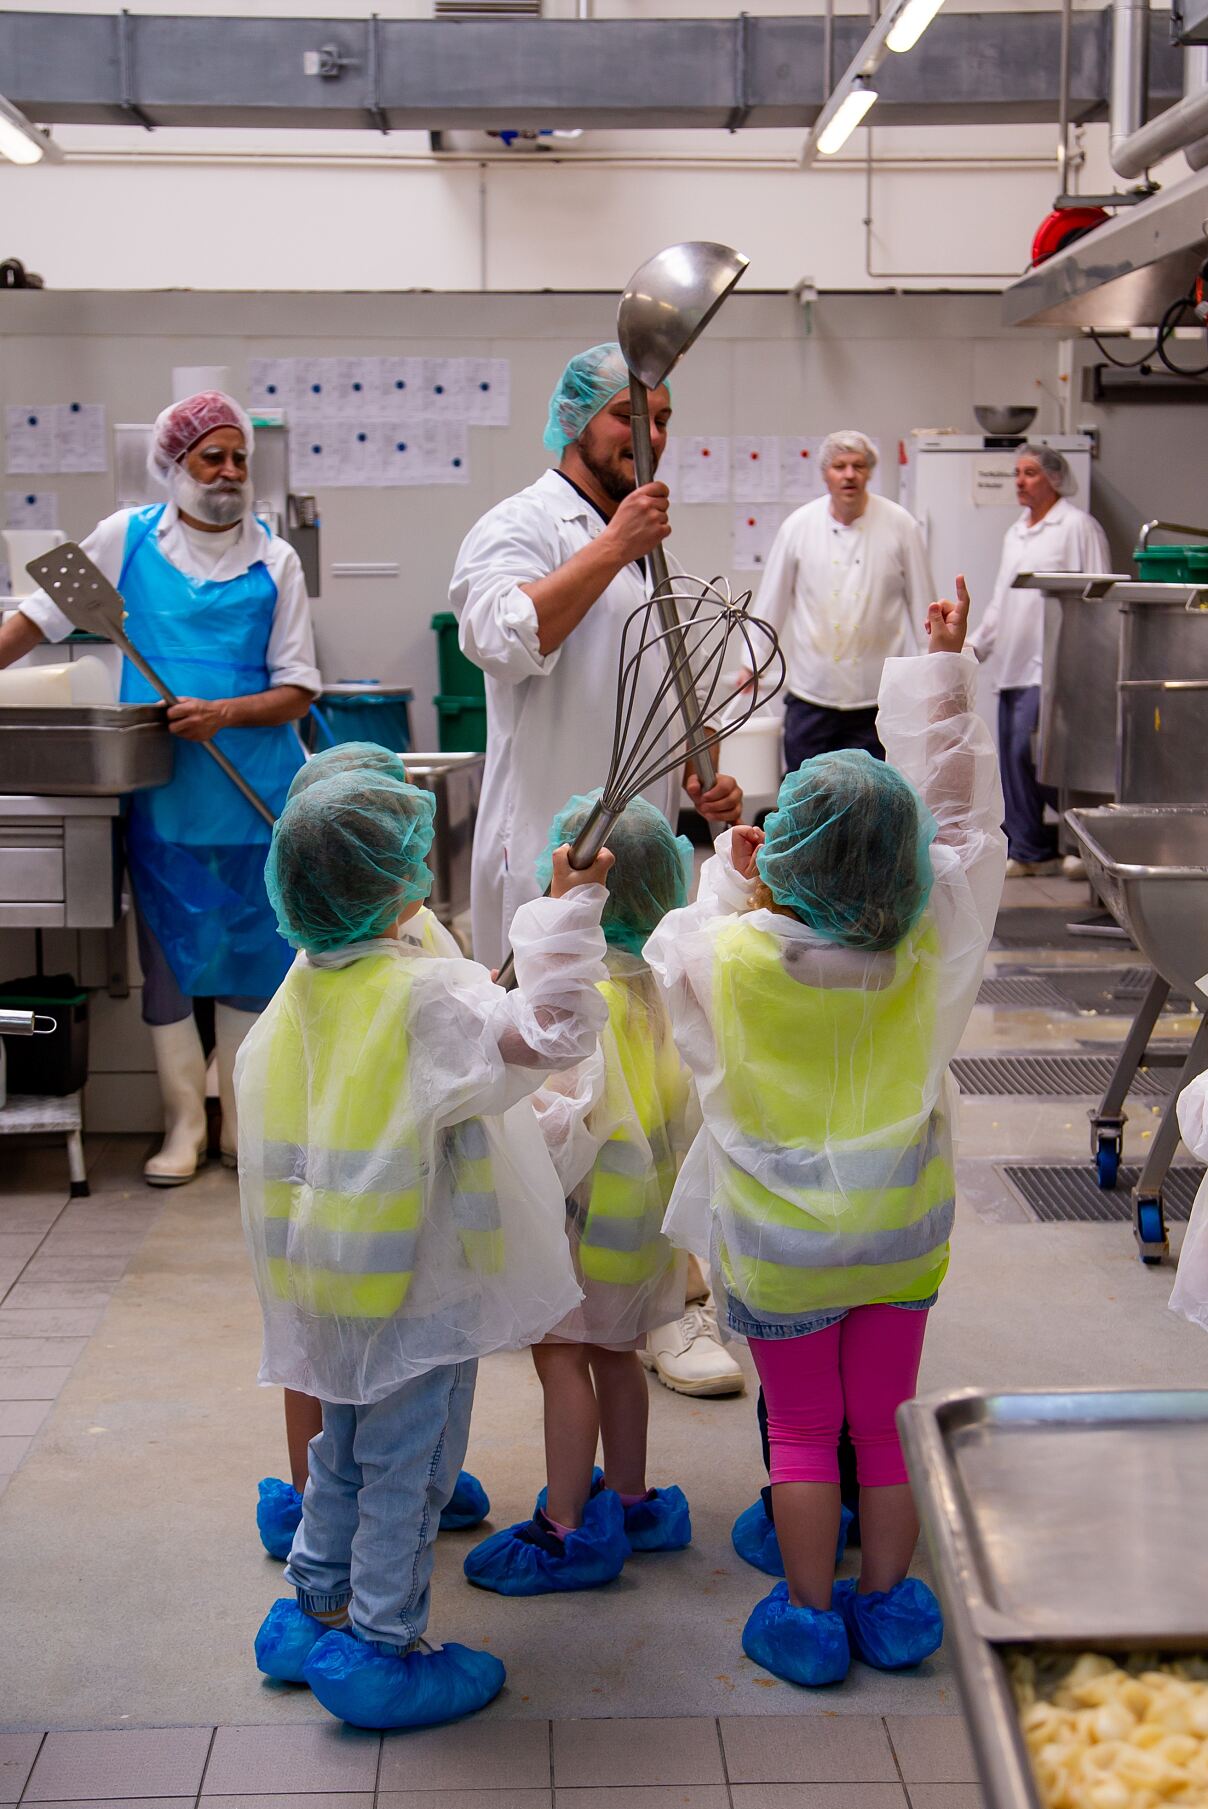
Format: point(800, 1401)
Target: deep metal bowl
point(1004, 419)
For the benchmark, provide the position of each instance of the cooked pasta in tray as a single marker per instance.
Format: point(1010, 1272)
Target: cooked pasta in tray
point(1123, 1732)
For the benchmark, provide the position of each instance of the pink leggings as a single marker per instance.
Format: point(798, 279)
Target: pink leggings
point(864, 1368)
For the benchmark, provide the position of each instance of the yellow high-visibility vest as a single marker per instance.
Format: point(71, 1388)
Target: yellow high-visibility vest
point(631, 1184)
point(343, 1193)
point(827, 1088)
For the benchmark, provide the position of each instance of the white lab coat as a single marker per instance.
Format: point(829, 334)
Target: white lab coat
point(845, 599)
point(1065, 540)
point(549, 718)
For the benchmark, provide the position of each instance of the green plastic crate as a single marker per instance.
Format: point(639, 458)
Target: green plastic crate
point(459, 677)
point(1172, 564)
point(462, 722)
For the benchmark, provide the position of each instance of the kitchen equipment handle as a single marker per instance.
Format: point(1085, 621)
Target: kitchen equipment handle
point(27, 1023)
point(1169, 527)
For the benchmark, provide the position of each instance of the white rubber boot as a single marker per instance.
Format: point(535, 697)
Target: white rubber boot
point(230, 1028)
point(182, 1084)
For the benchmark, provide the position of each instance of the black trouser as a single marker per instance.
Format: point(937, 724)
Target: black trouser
point(849, 1487)
point(811, 728)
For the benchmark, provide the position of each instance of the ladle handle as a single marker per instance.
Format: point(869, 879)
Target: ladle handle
point(643, 468)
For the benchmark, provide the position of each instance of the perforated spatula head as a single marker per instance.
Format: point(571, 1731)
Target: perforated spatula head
point(85, 595)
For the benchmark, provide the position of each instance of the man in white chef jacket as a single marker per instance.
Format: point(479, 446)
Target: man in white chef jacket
point(1050, 535)
point(543, 586)
point(847, 585)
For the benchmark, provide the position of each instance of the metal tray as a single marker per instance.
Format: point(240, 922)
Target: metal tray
point(1062, 1520)
point(94, 752)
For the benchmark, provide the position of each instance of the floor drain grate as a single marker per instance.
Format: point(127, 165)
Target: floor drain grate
point(1106, 991)
point(1058, 1193)
point(1044, 926)
point(1051, 1076)
point(1027, 991)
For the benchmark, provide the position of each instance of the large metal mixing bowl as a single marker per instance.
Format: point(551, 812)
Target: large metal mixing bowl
point(1004, 419)
point(1149, 864)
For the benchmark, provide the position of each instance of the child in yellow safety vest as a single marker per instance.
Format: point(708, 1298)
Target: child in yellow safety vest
point(617, 1126)
point(401, 1216)
point(819, 988)
point(279, 1503)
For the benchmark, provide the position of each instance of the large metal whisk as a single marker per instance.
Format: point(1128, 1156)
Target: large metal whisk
point(690, 709)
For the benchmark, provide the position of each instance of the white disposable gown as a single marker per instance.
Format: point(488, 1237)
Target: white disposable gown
point(549, 716)
point(471, 1054)
point(931, 733)
point(1189, 1296)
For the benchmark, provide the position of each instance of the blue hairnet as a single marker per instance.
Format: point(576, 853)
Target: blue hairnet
point(347, 857)
point(590, 380)
point(348, 756)
point(652, 873)
point(846, 849)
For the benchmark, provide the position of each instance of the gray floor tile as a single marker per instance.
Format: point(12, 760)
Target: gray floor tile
point(321, 1800)
point(72, 1322)
point(665, 1796)
point(34, 1384)
point(932, 1749)
point(26, 1353)
point(22, 1417)
point(464, 1799)
point(53, 1295)
point(262, 1761)
point(602, 1753)
point(488, 1755)
point(12, 1453)
point(17, 1755)
point(127, 1802)
point(946, 1796)
point(809, 1748)
point(18, 1245)
point(141, 1762)
point(54, 1268)
point(31, 1213)
point(818, 1796)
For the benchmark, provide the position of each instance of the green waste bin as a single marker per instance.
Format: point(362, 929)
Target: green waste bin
point(462, 724)
point(459, 677)
point(1172, 564)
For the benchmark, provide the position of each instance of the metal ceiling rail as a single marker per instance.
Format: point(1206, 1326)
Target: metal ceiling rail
point(400, 74)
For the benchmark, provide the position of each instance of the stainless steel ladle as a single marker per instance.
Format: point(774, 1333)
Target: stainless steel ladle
point(666, 306)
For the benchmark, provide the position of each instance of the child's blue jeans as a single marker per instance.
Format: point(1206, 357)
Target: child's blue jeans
point(379, 1477)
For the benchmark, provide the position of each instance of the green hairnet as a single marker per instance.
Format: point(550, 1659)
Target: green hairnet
point(652, 873)
point(846, 849)
point(590, 380)
point(348, 756)
point(347, 857)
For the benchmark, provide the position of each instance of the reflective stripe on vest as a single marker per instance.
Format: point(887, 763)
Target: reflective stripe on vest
point(475, 1204)
point(343, 1192)
point(621, 1241)
point(830, 1221)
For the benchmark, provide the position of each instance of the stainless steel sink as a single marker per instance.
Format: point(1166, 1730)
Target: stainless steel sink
point(1149, 863)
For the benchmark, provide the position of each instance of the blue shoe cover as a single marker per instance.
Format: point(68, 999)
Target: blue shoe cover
point(522, 1560)
point(753, 1536)
point(466, 1506)
point(802, 1645)
point(660, 1523)
point(369, 1687)
point(894, 1628)
point(285, 1641)
point(278, 1515)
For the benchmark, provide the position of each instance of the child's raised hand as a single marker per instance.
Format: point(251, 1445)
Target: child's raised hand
point(947, 622)
point(566, 878)
point(744, 842)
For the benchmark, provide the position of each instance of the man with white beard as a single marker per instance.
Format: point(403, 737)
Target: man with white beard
point(217, 604)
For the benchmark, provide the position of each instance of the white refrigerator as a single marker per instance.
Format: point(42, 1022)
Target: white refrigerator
point(960, 489)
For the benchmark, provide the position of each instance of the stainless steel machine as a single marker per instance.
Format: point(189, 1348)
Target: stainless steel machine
point(455, 780)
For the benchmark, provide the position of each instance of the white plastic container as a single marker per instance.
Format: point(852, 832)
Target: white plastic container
point(752, 755)
point(83, 683)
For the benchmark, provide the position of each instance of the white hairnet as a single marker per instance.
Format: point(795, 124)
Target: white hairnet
point(181, 426)
point(847, 439)
point(1055, 466)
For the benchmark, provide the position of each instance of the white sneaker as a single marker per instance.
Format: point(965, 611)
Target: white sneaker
point(1073, 867)
point(1033, 869)
point(688, 1356)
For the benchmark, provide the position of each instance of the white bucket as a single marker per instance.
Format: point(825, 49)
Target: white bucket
point(752, 756)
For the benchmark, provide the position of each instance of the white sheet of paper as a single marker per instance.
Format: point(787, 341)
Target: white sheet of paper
point(800, 478)
point(357, 389)
point(356, 453)
point(402, 455)
point(31, 509)
point(317, 388)
point(314, 461)
point(752, 531)
point(446, 391)
point(704, 468)
point(401, 384)
point(447, 452)
point(755, 467)
point(271, 382)
point(669, 465)
point(488, 384)
point(80, 436)
point(29, 437)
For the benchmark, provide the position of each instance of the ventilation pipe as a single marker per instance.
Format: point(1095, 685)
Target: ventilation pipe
point(1135, 151)
point(1195, 82)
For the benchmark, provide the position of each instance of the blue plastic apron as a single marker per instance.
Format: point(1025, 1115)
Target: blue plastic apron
point(195, 847)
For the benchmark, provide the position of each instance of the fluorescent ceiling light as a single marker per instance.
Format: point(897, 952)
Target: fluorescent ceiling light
point(20, 140)
point(911, 22)
point(850, 112)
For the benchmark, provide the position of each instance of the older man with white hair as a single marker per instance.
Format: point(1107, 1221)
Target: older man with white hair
point(847, 585)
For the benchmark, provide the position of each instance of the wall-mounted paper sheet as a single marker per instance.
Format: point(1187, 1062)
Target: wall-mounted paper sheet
point(401, 386)
point(31, 508)
point(272, 383)
point(755, 467)
point(752, 531)
point(704, 468)
point(488, 392)
point(80, 436)
point(800, 478)
point(29, 438)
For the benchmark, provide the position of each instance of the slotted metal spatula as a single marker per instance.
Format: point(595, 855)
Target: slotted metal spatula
point(89, 601)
